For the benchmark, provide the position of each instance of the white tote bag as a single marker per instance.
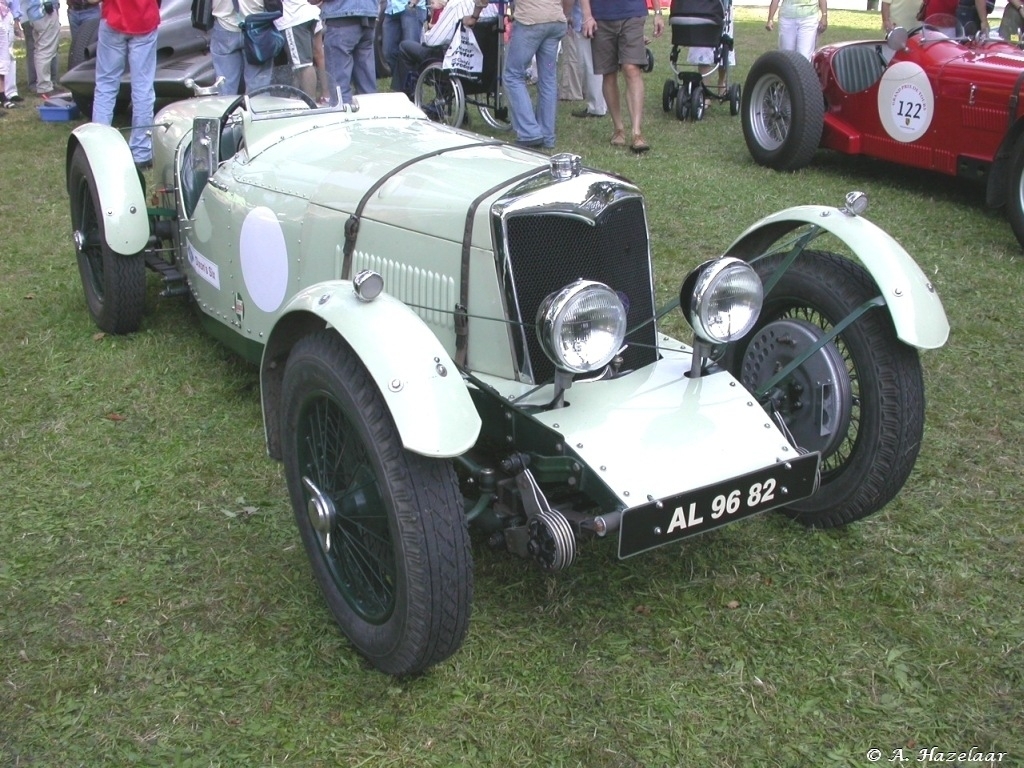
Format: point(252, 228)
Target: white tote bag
point(464, 56)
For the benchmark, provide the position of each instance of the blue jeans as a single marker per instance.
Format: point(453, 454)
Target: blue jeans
point(399, 27)
point(529, 40)
point(113, 51)
point(348, 54)
point(230, 63)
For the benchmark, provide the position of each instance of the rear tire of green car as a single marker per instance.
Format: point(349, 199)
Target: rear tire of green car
point(384, 528)
point(114, 285)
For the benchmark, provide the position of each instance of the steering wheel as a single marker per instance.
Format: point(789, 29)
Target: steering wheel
point(290, 90)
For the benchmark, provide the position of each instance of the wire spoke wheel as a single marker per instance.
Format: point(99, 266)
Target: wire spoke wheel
point(383, 528)
point(440, 95)
point(346, 509)
point(772, 118)
point(858, 400)
point(783, 111)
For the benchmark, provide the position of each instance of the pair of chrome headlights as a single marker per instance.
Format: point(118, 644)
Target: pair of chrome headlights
point(582, 326)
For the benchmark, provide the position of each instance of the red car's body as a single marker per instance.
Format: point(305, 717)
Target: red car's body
point(938, 102)
point(973, 90)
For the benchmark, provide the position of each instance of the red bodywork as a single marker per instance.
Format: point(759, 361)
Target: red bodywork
point(976, 88)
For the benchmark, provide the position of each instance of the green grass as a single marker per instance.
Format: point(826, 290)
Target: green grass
point(156, 607)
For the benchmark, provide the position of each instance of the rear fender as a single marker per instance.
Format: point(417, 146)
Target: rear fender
point(909, 296)
point(120, 191)
point(421, 386)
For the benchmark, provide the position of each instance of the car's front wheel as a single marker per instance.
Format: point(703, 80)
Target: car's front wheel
point(384, 528)
point(859, 399)
point(783, 111)
point(115, 285)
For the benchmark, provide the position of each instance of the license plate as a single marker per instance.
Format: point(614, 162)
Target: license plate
point(687, 514)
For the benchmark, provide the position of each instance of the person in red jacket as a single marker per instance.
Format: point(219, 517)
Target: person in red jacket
point(127, 36)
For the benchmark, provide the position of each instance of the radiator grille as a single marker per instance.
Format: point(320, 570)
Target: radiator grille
point(614, 252)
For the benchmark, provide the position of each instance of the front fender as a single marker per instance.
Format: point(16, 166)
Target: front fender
point(915, 307)
point(423, 390)
point(121, 196)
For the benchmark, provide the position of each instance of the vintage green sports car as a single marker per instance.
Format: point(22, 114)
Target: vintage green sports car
point(454, 333)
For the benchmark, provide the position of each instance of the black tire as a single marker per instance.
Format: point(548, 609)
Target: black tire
point(391, 550)
point(83, 48)
point(870, 457)
point(649, 63)
point(381, 65)
point(697, 103)
point(734, 99)
point(1015, 192)
point(683, 102)
point(114, 285)
point(440, 95)
point(668, 95)
point(783, 111)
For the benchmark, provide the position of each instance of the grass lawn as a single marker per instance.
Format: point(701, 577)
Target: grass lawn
point(156, 607)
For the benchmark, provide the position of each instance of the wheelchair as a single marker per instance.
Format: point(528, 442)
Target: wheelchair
point(444, 95)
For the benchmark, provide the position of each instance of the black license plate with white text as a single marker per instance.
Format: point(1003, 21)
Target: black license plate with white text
point(687, 514)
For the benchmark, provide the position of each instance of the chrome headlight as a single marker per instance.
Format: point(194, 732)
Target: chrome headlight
point(581, 327)
point(721, 299)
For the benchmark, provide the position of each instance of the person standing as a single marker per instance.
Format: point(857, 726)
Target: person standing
point(7, 22)
point(799, 24)
point(10, 28)
point(1012, 21)
point(403, 20)
point(537, 28)
point(570, 72)
point(298, 25)
point(617, 28)
point(45, 19)
point(348, 47)
point(30, 61)
point(127, 37)
point(592, 83)
point(900, 13)
point(227, 48)
point(973, 16)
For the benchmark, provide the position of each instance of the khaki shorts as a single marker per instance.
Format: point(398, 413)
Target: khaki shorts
point(619, 42)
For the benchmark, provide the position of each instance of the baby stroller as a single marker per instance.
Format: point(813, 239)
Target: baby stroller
point(704, 26)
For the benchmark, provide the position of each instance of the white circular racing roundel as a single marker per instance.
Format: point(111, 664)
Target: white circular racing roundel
point(906, 103)
point(264, 259)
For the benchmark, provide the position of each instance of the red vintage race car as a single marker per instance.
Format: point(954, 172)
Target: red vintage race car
point(929, 98)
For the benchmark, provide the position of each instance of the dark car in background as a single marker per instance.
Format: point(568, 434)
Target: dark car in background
point(182, 55)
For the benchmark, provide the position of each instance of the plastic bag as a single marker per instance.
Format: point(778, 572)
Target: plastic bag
point(464, 56)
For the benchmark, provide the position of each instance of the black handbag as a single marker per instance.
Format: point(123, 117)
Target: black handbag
point(202, 14)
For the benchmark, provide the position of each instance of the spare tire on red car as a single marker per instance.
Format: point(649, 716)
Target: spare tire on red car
point(783, 111)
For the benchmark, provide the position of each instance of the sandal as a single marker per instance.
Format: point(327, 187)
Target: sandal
point(10, 105)
point(618, 139)
point(639, 145)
